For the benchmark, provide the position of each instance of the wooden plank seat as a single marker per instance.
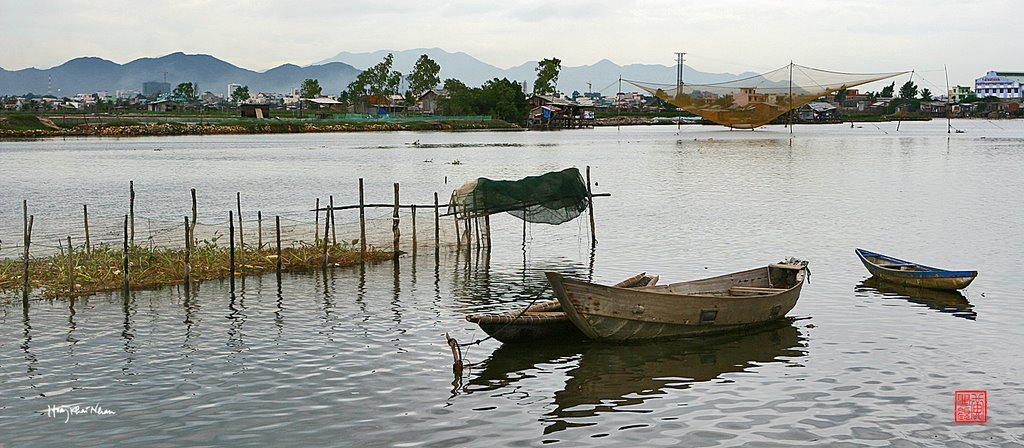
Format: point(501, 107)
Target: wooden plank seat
point(751, 290)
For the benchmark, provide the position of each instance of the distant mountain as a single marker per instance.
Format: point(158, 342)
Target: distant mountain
point(603, 75)
point(91, 74)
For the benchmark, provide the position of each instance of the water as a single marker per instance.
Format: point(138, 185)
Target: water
point(358, 357)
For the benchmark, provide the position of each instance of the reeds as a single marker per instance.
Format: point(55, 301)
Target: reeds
point(78, 271)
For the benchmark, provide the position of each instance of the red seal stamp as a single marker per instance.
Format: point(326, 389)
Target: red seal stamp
point(970, 406)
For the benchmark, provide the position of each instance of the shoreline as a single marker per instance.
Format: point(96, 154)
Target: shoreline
point(167, 128)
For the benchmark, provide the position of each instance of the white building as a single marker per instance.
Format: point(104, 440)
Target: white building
point(999, 85)
point(231, 89)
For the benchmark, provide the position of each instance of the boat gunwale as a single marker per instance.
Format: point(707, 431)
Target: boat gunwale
point(663, 289)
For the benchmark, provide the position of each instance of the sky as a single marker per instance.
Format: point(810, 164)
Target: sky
point(969, 38)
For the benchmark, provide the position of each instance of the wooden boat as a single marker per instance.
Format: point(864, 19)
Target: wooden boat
point(718, 304)
point(913, 274)
point(542, 320)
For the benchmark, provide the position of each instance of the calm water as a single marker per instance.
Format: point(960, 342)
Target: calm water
point(357, 357)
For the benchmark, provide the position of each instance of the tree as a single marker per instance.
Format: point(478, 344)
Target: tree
point(377, 81)
point(908, 90)
point(424, 75)
point(240, 94)
point(186, 90)
point(547, 76)
point(888, 90)
point(460, 99)
point(504, 100)
point(926, 94)
point(310, 89)
point(840, 96)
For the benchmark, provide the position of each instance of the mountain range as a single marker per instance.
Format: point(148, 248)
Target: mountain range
point(92, 74)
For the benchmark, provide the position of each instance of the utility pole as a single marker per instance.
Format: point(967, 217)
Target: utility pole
point(680, 70)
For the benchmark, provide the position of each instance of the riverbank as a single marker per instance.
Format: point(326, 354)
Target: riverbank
point(31, 126)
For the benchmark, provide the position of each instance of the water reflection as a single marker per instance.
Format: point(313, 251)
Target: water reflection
point(611, 377)
point(953, 302)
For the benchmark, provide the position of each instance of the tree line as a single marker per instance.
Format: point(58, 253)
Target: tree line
point(378, 85)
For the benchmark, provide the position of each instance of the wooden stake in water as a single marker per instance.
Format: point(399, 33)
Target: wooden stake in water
point(241, 234)
point(394, 223)
point(590, 207)
point(25, 289)
point(414, 229)
point(437, 223)
point(334, 230)
point(85, 216)
point(278, 222)
point(231, 249)
point(327, 227)
point(316, 223)
point(259, 230)
point(188, 255)
point(131, 209)
point(362, 223)
point(124, 266)
point(71, 266)
point(192, 225)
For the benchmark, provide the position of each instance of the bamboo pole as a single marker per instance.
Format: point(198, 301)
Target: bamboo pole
point(192, 225)
point(71, 267)
point(131, 209)
point(334, 230)
point(231, 248)
point(394, 223)
point(362, 223)
point(259, 230)
point(85, 217)
point(316, 223)
point(476, 226)
point(590, 207)
point(188, 254)
point(458, 234)
point(414, 229)
point(437, 224)
point(277, 220)
point(124, 266)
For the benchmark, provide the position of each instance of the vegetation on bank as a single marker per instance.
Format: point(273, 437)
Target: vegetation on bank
point(81, 272)
point(33, 126)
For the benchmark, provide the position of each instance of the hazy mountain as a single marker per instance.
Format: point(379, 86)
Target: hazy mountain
point(603, 75)
point(90, 74)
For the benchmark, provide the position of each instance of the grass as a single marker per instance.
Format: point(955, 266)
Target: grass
point(21, 122)
point(100, 269)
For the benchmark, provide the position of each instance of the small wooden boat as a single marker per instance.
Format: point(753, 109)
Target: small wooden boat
point(718, 304)
point(913, 274)
point(541, 320)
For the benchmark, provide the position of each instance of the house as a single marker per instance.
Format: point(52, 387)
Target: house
point(554, 112)
point(428, 101)
point(958, 93)
point(381, 105)
point(936, 108)
point(1005, 85)
point(254, 110)
point(14, 104)
point(818, 112)
point(163, 106)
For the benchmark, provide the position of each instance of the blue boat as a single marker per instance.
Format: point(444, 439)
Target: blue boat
point(913, 274)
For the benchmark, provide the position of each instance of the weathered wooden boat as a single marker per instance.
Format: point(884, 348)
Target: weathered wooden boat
point(542, 320)
point(913, 274)
point(720, 304)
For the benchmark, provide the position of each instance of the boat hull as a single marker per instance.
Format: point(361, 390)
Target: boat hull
point(913, 274)
point(700, 307)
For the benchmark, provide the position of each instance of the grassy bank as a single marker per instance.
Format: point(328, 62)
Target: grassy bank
point(80, 273)
point(37, 126)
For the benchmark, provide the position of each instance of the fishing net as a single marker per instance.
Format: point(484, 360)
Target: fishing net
point(551, 198)
point(755, 101)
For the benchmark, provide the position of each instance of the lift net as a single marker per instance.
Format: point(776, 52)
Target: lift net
point(551, 198)
point(755, 101)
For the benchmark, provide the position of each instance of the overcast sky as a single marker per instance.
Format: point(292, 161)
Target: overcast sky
point(720, 36)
